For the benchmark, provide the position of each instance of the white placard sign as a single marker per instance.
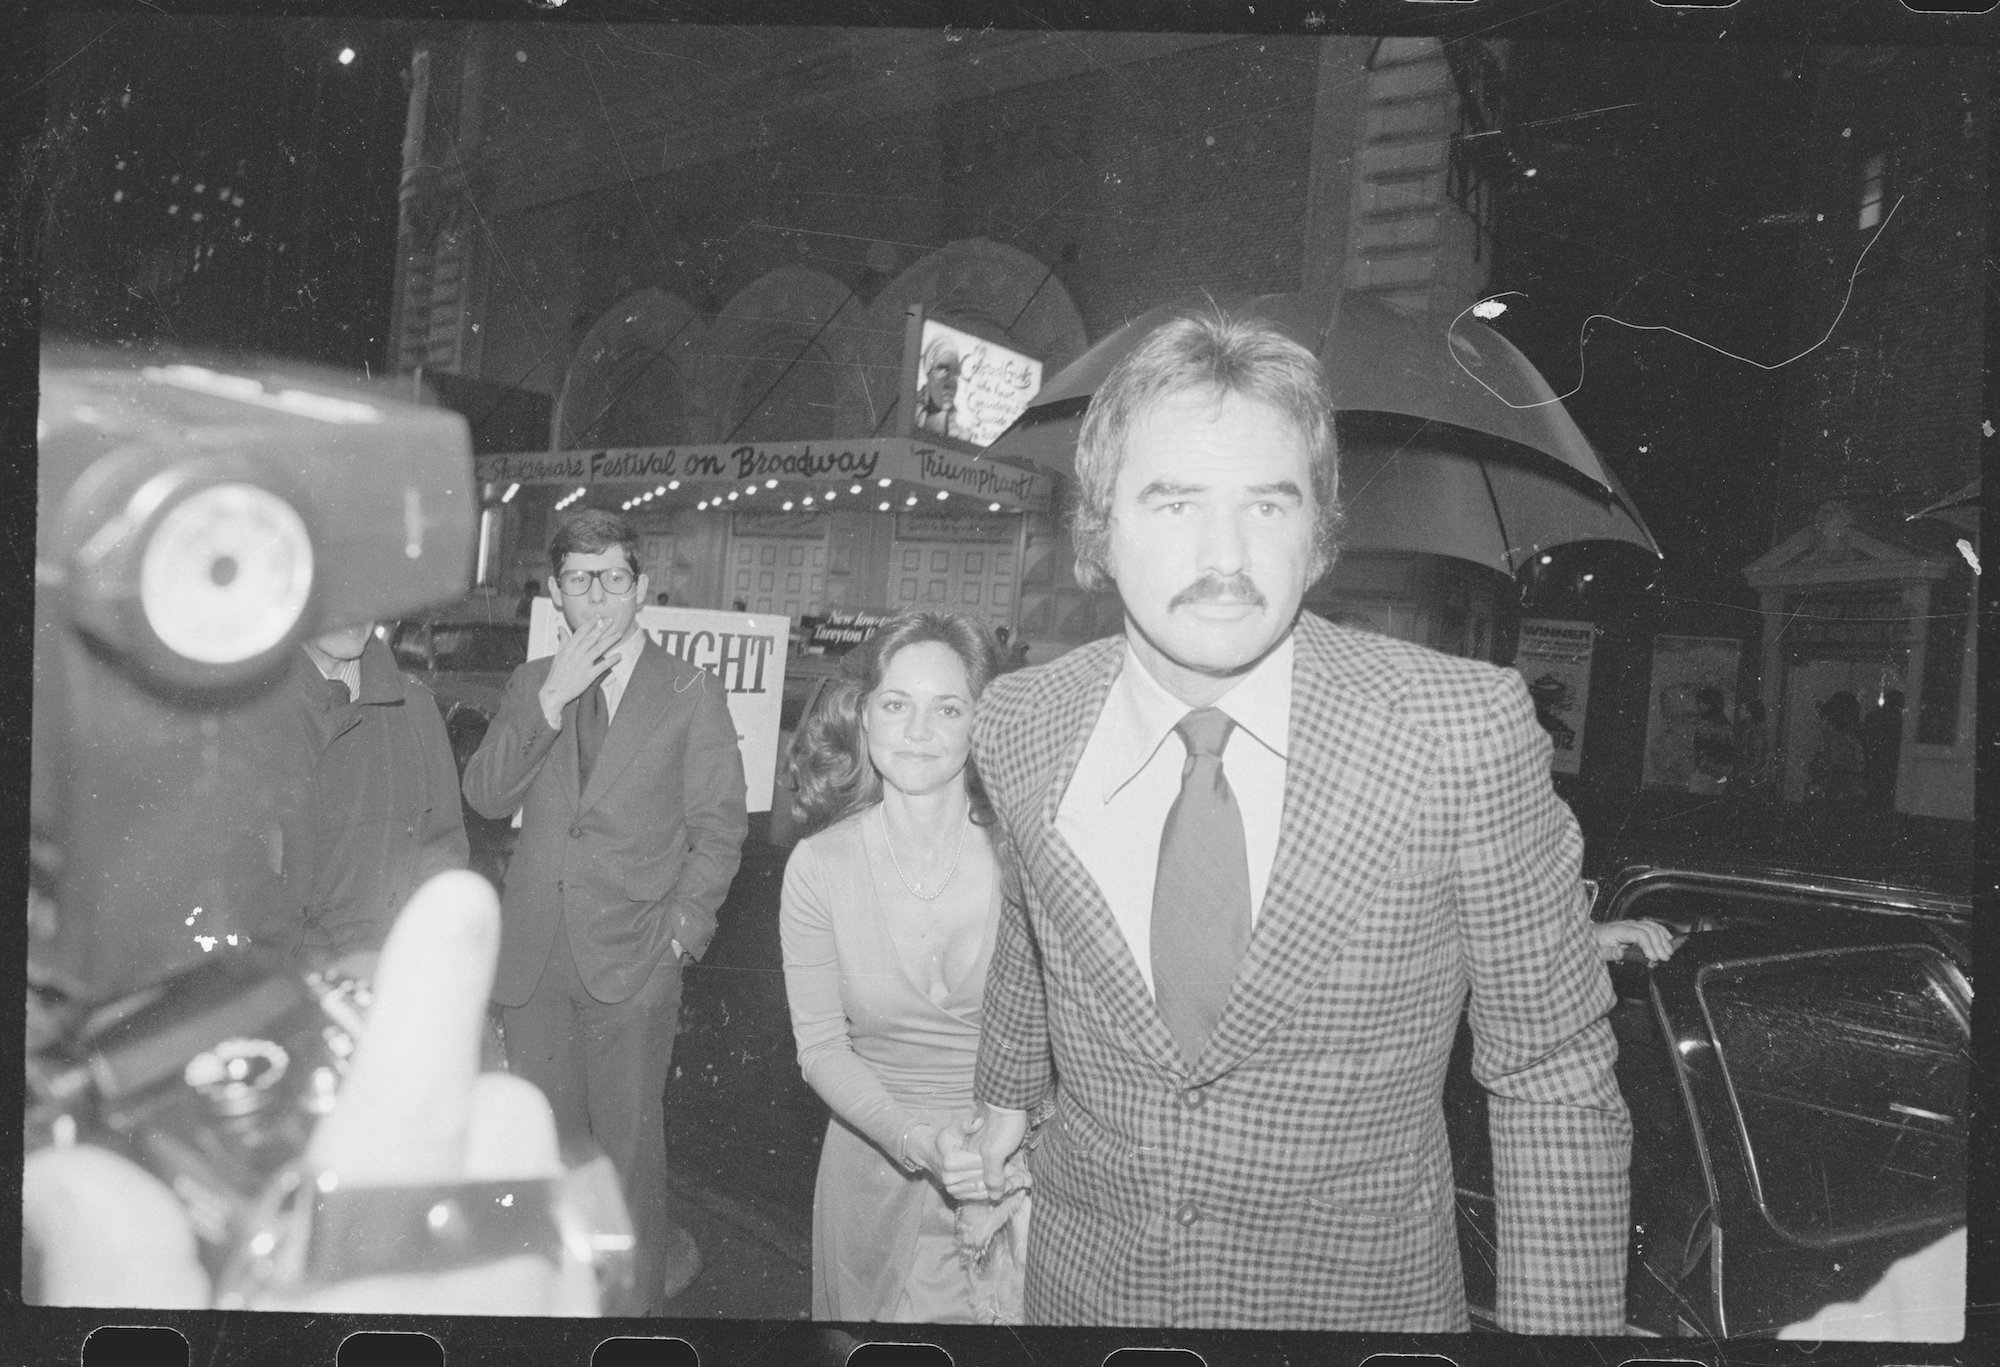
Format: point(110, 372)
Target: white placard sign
point(747, 653)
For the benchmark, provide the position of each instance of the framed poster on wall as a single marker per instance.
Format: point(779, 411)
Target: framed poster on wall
point(1689, 703)
point(1554, 659)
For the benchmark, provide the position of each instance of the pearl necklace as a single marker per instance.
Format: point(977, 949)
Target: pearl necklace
point(916, 890)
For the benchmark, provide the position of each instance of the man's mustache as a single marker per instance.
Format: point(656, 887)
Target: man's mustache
point(1237, 588)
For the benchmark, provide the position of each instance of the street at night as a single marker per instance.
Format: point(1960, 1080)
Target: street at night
point(574, 372)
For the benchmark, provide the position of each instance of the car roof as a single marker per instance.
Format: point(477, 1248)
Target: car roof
point(454, 619)
point(1721, 877)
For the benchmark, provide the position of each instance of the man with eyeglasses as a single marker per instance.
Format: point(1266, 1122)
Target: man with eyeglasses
point(622, 761)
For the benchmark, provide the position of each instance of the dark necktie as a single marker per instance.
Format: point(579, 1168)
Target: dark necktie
point(1201, 897)
point(340, 696)
point(592, 721)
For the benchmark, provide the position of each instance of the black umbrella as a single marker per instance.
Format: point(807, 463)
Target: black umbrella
point(1452, 443)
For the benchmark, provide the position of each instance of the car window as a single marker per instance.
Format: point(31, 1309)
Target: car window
point(409, 645)
point(1848, 1072)
point(1686, 909)
point(479, 647)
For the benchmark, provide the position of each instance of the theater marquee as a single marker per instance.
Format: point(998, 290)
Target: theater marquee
point(801, 466)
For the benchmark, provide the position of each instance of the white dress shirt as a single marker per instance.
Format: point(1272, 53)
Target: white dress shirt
point(1130, 774)
point(623, 659)
point(340, 671)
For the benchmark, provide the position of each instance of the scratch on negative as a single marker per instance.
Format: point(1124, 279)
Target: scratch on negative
point(1491, 307)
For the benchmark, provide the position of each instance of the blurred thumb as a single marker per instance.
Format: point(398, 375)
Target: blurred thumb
point(406, 1106)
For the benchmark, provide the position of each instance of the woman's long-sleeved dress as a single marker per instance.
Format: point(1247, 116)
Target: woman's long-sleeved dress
point(885, 994)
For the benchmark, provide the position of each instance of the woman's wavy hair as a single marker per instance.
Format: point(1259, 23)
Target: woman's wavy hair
point(831, 774)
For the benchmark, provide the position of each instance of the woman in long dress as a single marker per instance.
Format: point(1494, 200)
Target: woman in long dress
point(888, 921)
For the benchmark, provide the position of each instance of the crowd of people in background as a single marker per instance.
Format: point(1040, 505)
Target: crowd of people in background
point(1850, 761)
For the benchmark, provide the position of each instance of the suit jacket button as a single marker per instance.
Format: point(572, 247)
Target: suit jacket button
point(1187, 1214)
point(1193, 1098)
point(576, 832)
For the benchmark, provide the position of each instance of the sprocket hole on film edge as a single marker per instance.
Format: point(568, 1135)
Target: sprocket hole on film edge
point(637, 1350)
point(134, 1345)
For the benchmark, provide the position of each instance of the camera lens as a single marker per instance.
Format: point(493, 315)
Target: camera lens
point(238, 1076)
point(226, 574)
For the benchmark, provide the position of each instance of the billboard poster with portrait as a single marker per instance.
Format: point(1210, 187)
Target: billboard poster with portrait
point(746, 652)
point(968, 389)
point(1554, 659)
point(1688, 735)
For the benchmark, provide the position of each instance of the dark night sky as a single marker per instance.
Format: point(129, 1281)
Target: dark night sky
point(224, 182)
point(1677, 205)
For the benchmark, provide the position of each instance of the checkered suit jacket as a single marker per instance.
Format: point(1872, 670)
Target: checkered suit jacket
point(1298, 1175)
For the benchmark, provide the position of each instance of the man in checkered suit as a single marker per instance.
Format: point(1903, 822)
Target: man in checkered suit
point(1277, 1159)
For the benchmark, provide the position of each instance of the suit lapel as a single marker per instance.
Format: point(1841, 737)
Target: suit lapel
point(1071, 896)
point(638, 713)
point(1353, 780)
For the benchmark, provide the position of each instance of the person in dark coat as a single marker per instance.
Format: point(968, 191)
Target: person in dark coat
point(1836, 775)
point(380, 812)
point(1881, 734)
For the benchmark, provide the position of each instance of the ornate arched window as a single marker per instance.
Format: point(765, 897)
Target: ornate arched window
point(626, 385)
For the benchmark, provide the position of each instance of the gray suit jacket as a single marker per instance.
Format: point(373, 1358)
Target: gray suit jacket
point(1298, 1174)
point(641, 857)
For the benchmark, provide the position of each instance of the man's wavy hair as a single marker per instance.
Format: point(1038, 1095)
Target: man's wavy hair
point(1215, 353)
point(831, 774)
point(591, 532)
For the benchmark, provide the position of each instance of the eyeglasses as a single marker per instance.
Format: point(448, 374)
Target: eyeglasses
point(617, 581)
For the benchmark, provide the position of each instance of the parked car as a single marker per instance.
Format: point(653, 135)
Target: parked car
point(1797, 1077)
point(464, 654)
